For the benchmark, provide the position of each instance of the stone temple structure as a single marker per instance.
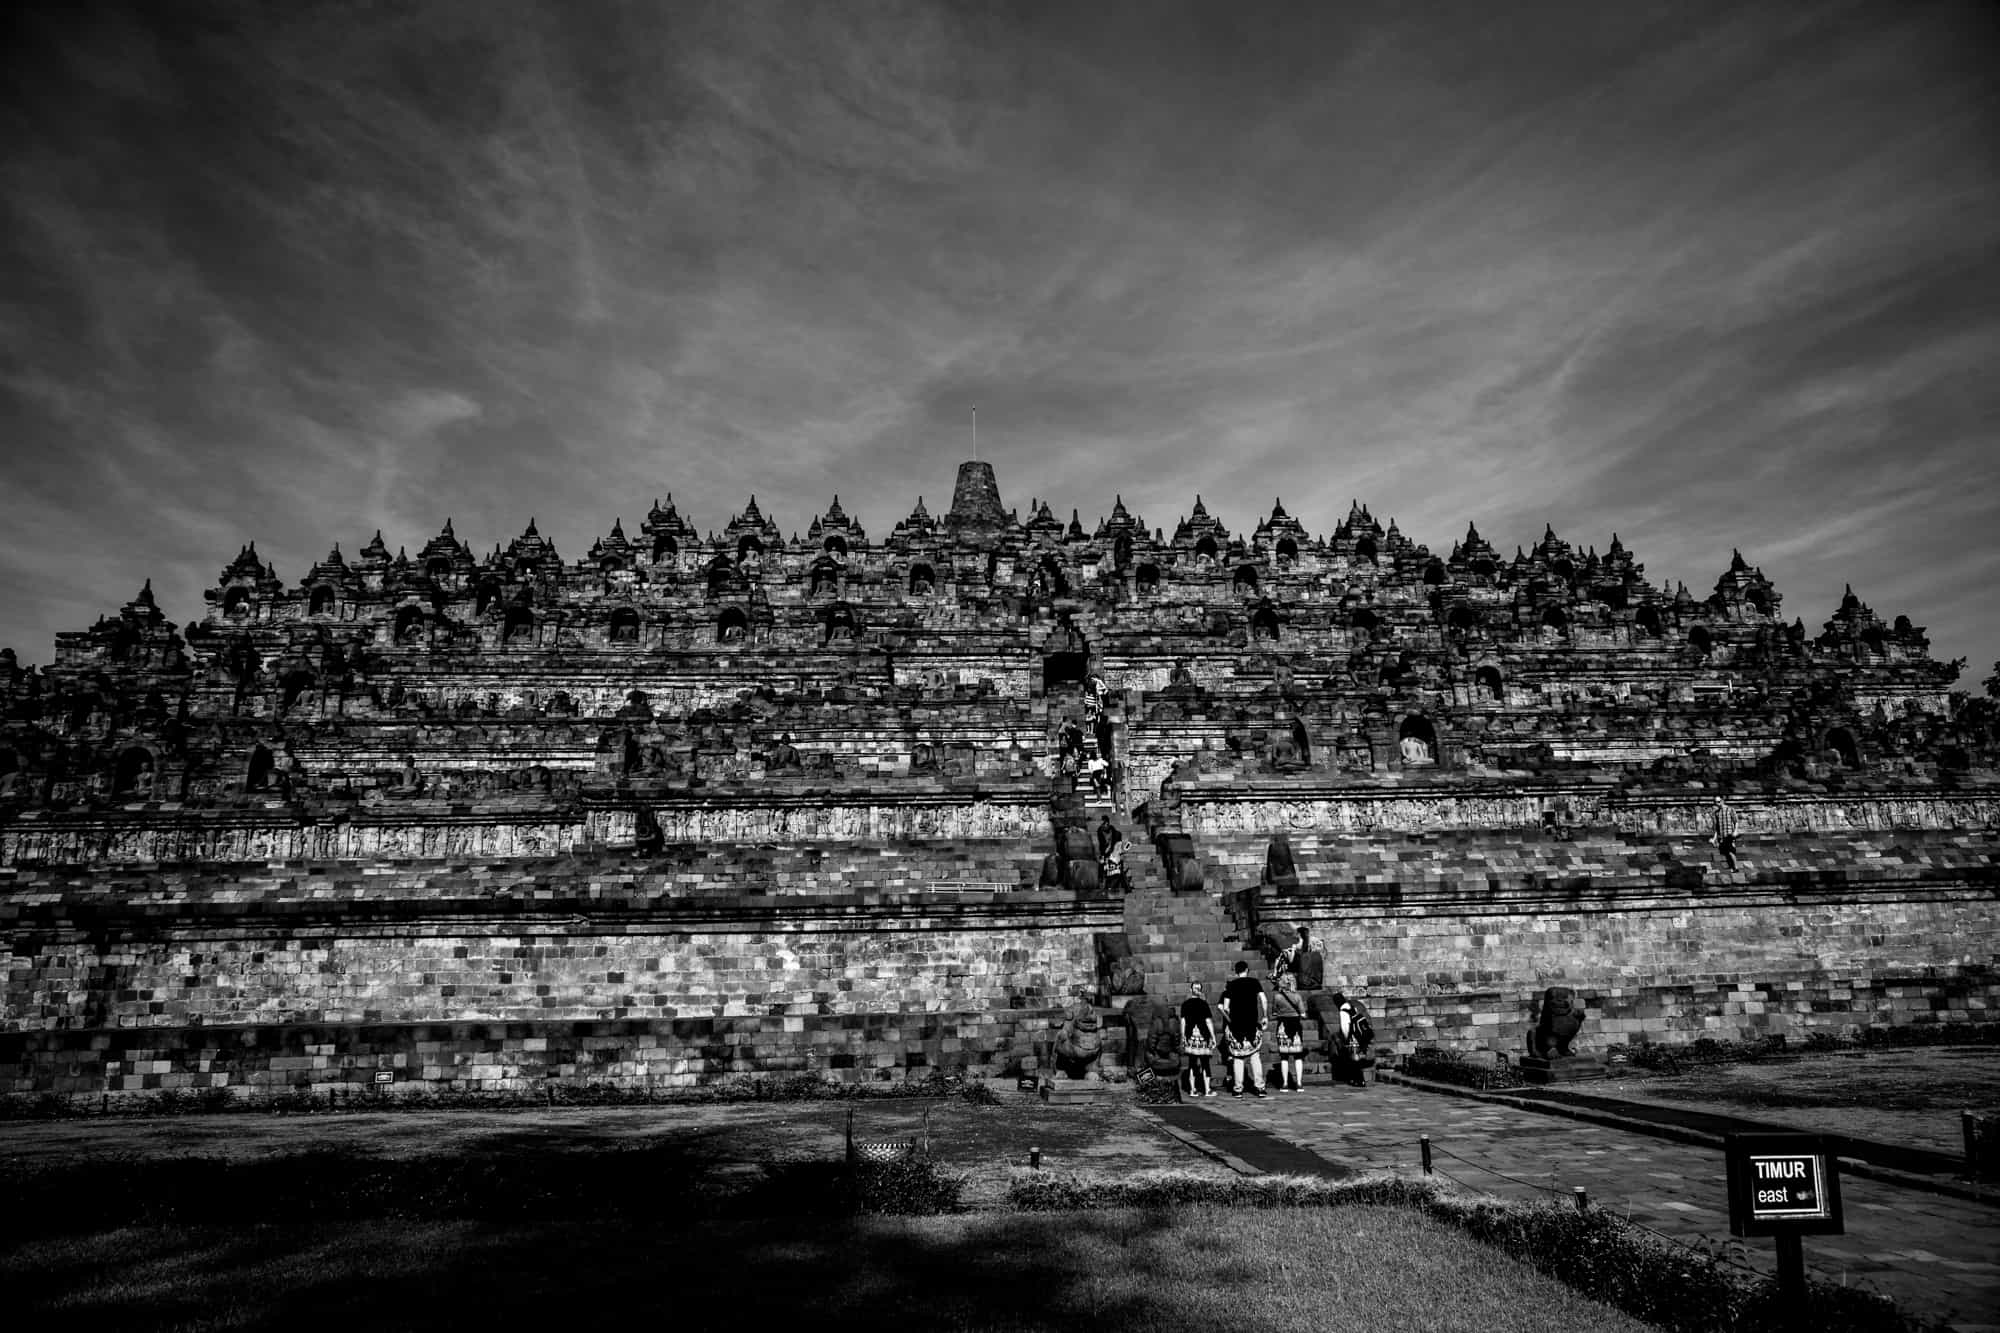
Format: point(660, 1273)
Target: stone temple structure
point(699, 805)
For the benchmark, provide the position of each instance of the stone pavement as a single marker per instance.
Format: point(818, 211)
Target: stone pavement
point(1932, 1254)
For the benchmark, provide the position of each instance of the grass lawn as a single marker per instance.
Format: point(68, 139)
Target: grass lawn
point(1373, 1270)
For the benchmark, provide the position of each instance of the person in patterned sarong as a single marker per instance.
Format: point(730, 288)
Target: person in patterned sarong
point(1247, 1009)
point(1197, 1042)
point(1288, 1017)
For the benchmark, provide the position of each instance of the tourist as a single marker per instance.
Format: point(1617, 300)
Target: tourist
point(1108, 836)
point(1343, 1055)
point(1248, 1011)
point(1300, 961)
point(1099, 774)
point(1111, 866)
point(1069, 739)
point(1197, 1042)
point(1723, 831)
point(1289, 1017)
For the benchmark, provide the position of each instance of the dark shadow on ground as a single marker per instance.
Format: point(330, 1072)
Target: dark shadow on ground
point(986, 1272)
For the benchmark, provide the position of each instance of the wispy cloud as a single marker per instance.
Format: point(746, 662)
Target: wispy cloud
point(1707, 276)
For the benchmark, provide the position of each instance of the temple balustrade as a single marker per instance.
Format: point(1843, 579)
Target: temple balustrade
point(525, 824)
point(1249, 807)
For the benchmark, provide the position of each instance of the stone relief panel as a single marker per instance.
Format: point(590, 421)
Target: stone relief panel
point(1205, 815)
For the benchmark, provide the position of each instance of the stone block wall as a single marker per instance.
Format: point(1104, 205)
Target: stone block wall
point(496, 976)
point(1450, 938)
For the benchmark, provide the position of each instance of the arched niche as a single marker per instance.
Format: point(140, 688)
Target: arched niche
point(1759, 600)
point(1563, 569)
point(1701, 640)
point(1840, 741)
point(1488, 683)
point(665, 548)
point(1462, 618)
point(134, 768)
point(835, 545)
point(838, 621)
point(484, 597)
point(823, 579)
point(1555, 618)
point(257, 777)
point(1264, 621)
point(1121, 551)
point(321, 602)
point(923, 580)
point(409, 624)
point(748, 544)
point(1365, 549)
point(1245, 579)
point(721, 576)
point(1417, 741)
point(519, 625)
point(1612, 595)
point(624, 625)
point(1288, 550)
point(291, 686)
point(1434, 575)
point(611, 564)
point(1147, 579)
point(731, 625)
point(1874, 639)
point(236, 602)
point(1053, 576)
point(1362, 618)
point(1485, 568)
point(1649, 622)
point(1206, 549)
point(437, 569)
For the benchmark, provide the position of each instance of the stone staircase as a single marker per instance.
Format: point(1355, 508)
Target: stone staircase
point(1180, 936)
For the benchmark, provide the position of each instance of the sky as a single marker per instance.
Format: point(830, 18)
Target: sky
point(1707, 276)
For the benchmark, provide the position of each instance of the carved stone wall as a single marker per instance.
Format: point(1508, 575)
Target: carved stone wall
point(1215, 814)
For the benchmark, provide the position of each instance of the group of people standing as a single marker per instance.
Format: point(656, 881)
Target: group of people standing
point(1253, 1015)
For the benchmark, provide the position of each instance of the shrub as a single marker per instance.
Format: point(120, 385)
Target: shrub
point(305, 1098)
point(1055, 1191)
point(1453, 1067)
point(910, 1187)
point(1681, 1288)
point(1671, 1059)
point(1930, 1034)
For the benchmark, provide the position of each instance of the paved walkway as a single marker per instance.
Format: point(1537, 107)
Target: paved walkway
point(1936, 1255)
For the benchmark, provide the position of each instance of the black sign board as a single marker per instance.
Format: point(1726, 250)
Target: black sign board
point(1782, 1184)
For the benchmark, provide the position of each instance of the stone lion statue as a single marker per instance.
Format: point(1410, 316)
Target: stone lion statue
point(1561, 1018)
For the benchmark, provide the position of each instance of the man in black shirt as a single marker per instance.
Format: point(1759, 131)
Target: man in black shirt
point(1244, 1003)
